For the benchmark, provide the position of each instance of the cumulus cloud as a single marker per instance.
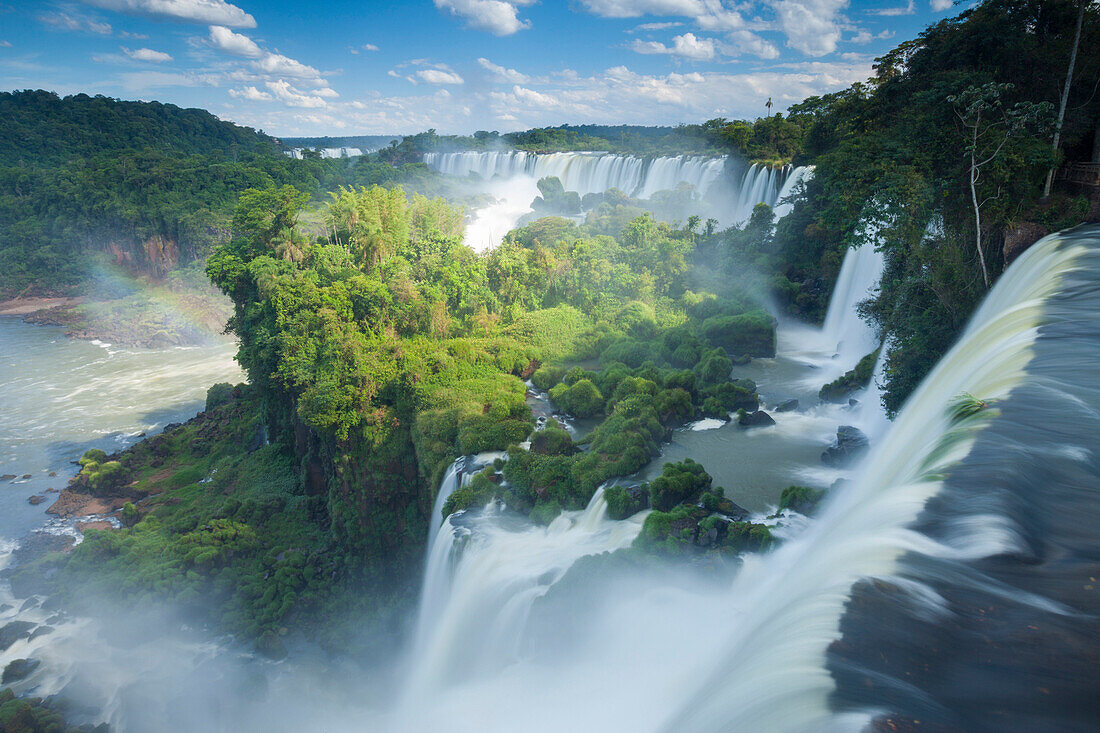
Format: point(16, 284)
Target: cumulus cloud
point(252, 94)
point(369, 47)
point(742, 42)
point(811, 26)
point(210, 12)
point(531, 97)
point(287, 94)
point(237, 44)
point(502, 74)
point(147, 54)
point(495, 16)
point(940, 5)
point(278, 65)
point(75, 22)
point(439, 76)
point(686, 46)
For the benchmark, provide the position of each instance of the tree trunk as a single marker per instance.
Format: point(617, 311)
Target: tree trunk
point(977, 211)
point(1065, 94)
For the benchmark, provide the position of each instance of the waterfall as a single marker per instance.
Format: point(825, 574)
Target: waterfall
point(666, 652)
point(844, 332)
point(482, 577)
point(800, 175)
point(730, 189)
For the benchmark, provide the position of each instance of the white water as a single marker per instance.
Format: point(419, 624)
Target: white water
point(329, 152)
point(747, 655)
point(730, 189)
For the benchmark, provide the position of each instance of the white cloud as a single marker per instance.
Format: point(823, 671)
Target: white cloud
point(439, 76)
point(237, 44)
point(748, 42)
point(907, 9)
point(5, 44)
point(147, 54)
point(369, 47)
point(862, 36)
point(638, 8)
point(326, 92)
point(503, 74)
point(531, 97)
point(495, 16)
point(287, 94)
point(252, 94)
point(76, 22)
point(940, 5)
point(656, 26)
point(686, 46)
point(278, 65)
point(811, 26)
point(211, 12)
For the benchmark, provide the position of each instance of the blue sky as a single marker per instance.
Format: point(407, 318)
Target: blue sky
point(367, 67)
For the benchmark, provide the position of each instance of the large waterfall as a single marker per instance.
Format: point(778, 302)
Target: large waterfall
point(783, 645)
point(730, 188)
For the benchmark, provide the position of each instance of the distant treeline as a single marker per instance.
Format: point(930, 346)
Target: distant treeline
point(775, 139)
point(363, 142)
point(147, 185)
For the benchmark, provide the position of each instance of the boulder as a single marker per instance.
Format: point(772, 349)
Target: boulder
point(755, 419)
point(41, 631)
point(7, 477)
point(36, 499)
point(850, 444)
point(735, 512)
point(19, 669)
point(13, 632)
point(787, 406)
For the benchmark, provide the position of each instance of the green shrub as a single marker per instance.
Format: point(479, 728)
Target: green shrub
point(552, 441)
point(582, 399)
point(678, 483)
point(218, 394)
point(546, 376)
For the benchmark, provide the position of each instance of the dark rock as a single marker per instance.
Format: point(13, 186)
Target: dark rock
point(1020, 237)
point(787, 406)
point(172, 426)
point(850, 444)
point(36, 499)
point(25, 476)
point(41, 631)
point(755, 419)
point(13, 632)
point(6, 607)
point(852, 402)
point(29, 603)
point(7, 477)
point(735, 512)
point(54, 473)
point(741, 360)
point(19, 669)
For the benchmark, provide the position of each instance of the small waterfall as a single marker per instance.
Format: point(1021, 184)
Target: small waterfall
point(844, 332)
point(484, 573)
point(800, 175)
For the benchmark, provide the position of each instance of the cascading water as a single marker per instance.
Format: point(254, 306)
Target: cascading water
point(511, 176)
point(754, 653)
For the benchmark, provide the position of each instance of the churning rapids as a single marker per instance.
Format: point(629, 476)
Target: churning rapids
point(950, 579)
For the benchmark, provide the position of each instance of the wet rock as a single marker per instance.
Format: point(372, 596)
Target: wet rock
point(852, 402)
point(735, 512)
point(741, 360)
point(41, 631)
point(7, 477)
point(19, 669)
point(36, 499)
point(13, 632)
point(54, 473)
point(25, 476)
point(850, 444)
point(787, 406)
point(1020, 237)
point(6, 607)
point(29, 603)
point(755, 419)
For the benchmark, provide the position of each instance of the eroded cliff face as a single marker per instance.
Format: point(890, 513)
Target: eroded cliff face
point(158, 254)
